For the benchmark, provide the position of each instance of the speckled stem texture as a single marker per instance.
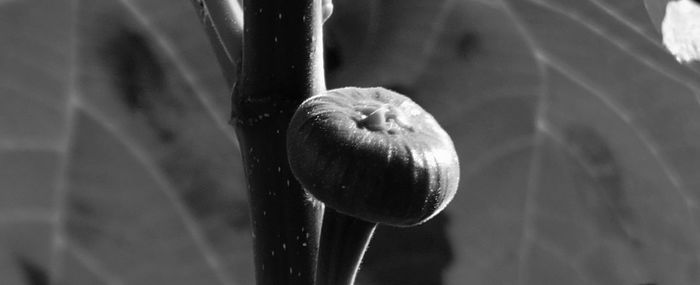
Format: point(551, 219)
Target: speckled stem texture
point(282, 65)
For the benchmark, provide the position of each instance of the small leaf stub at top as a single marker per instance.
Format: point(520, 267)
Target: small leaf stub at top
point(373, 154)
point(326, 9)
point(681, 30)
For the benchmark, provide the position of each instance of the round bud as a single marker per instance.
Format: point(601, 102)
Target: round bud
point(373, 154)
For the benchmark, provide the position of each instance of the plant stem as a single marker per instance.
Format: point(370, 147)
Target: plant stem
point(344, 240)
point(223, 23)
point(282, 66)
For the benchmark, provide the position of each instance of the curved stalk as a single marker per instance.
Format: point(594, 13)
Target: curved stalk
point(344, 240)
point(223, 23)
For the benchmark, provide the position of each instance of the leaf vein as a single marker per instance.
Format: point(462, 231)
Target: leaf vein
point(189, 221)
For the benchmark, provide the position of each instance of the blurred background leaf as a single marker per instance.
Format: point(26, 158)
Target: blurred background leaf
point(577, 132)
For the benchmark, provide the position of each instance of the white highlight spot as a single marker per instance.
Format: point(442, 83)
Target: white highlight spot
point(681, 30)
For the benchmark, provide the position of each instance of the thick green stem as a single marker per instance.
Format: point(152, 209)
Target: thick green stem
point(344, 240)
point(282, 66)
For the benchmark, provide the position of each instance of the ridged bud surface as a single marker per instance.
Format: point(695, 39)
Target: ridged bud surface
point(373, 154)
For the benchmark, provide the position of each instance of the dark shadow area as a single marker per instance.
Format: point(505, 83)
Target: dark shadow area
point(33, 273)
point(408, 256)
